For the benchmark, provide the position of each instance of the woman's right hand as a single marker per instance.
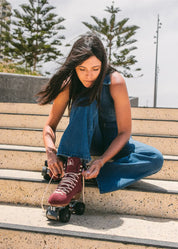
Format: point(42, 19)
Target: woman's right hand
point(58, 107)
point(55, 165)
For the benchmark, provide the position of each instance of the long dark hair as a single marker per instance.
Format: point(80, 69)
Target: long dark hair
point(86, 46)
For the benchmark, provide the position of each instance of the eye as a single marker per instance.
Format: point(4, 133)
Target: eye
point(96, 69)
point(82, 69)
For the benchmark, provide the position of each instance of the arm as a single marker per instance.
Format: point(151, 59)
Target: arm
point(57, 110)
point(119, 94)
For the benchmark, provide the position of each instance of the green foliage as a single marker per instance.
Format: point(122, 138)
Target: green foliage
point(36, 38)
point(10, 67)
point(5, 36)
point(117, 37)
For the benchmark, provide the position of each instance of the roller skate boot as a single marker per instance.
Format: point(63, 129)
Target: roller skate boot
point(64, 200)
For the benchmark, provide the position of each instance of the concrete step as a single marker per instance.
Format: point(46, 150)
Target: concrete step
point(168, 145)
point(32, 158)
point(155, 113)
point(26, 108)
point(144, 126)
point(155, 127)
point(27, 227)
point(28, 121)
point(22, 157)
point(24, 136)
point(152, 198)
point(137, 112)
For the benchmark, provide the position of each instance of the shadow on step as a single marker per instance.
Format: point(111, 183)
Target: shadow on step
point(104, 222)
point(92, 220)
point(146, 186)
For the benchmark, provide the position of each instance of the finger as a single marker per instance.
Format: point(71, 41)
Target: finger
point(90, 170)
point(92, 174)
point(85, 173)
point(54, 169)
point(61, 168)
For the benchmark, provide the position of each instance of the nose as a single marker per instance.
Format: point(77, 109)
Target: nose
point(89, 75)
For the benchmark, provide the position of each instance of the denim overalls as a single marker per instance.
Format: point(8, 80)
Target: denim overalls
point(90, 132)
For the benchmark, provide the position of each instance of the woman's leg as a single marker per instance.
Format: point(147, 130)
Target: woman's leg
point(77, 138)
point(75, 145)
point(145, 160)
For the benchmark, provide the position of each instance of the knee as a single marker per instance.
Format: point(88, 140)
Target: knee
point(158, 160)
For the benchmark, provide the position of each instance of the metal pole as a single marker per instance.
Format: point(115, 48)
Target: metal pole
point(156, 63)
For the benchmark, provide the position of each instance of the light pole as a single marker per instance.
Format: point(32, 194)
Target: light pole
point(156, 62)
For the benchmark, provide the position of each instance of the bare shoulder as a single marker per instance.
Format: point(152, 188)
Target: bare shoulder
point(118, 88)
point(117, 78)
point(64, 95)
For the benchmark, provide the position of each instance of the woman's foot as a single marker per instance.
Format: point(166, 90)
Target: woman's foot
point(70, 186)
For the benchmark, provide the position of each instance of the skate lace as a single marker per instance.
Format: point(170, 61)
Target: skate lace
point(68, 183)
point(45, 191)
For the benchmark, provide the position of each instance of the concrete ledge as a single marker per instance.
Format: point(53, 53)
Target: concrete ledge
point(25, 108)
point(20, 88)
point(146, 185)
point(75, 240)
point(155, 113)
point(33, 137)
point(32, 158)
point(137, 112)
point(29, 121)
point(146, 126)
point(147, 197)
point(92, 230)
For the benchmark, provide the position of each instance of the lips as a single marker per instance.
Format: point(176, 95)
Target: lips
point(89, 81)
point(88, 84)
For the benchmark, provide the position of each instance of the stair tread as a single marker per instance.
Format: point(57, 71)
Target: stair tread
point(42, 149)
point(112, 227)
point(146, 185)
point(47, 114)
point(21, 148)
point(62, 130)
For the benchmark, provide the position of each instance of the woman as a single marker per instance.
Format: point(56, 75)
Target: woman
point(100, 124)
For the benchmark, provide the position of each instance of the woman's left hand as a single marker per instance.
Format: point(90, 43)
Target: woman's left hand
point(94, 169)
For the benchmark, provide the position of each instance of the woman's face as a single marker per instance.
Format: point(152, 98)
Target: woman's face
point(88, 71)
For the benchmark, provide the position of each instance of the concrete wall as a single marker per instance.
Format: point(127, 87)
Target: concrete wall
point(15, 88)
point(20, 88)
point(134, 101)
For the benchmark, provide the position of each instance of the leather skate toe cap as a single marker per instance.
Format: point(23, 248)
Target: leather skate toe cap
point(58, 199)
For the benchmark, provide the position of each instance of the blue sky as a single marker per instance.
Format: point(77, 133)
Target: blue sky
point(144, 14)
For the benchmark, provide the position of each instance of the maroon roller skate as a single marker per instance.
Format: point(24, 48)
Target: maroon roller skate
point(64, 200)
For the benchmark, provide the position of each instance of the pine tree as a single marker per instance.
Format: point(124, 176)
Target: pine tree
point(5, 21)
point(118, 39)
point(36, 36)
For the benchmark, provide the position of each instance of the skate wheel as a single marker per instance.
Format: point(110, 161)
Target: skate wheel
point(64, 214)
point(79, 208)
point(44, 170)
point(52, 213)
point(45, 173)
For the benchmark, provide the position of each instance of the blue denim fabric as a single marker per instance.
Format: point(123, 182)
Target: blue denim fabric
point(90, 132)
point(77, 137)
point(143, 161)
